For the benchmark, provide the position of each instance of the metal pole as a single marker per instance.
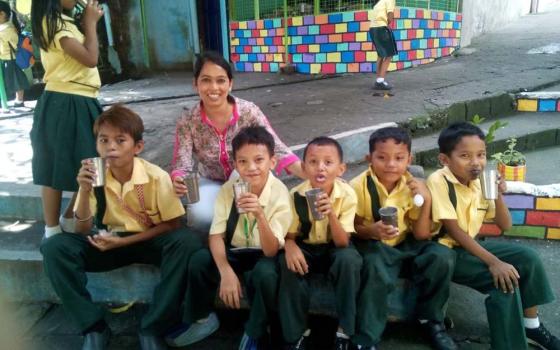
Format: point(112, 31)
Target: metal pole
point(286, 32)
point(144, 34)
point(194, 30)
point(316, 7)
point(3, 96)
point(225, 29)
point(257, 9)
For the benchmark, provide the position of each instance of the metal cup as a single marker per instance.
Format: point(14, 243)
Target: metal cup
point(489, 184)
point(240, 187)
point(389, 216)
point(312, 196)
point(100, 170)
point(191, 181)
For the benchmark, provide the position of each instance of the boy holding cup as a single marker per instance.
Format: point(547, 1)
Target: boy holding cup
point(251, 218)
point(319, 241)
point(386, 194)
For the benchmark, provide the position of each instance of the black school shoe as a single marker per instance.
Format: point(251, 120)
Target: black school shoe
point(542, 338)
point(438, 336)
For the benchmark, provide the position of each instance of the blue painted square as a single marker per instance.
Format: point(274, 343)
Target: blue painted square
point(277, 22)
point(404, 13)
point(268, 24)
point(335, 18)
point(239, 33)
point(297, 40)
point(456, 25)
point(240, 66)
point(403, 56)
point(313, 30)
point(297, 58)
point(304, 68)
point(342, 47)
point(517, 217)
point(292, 49)
point(341, 68)
point(446, 16)
point(252, 57)
point(243, 41)
point(397, 34)
point(292, 31)
point(328, 47)
point(321, 58)
point(239, 49)
point(415, 44)
point(547, 105)
point(423, 24)
point(348, 57)
point(348, 16)
point(268, 41)
point(274, 67)
point(309, 39)
point(353, 27)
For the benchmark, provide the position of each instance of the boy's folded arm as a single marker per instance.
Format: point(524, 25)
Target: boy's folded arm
point(340, 237)
point(468, 243)
point(269, 241)
point(422, 226)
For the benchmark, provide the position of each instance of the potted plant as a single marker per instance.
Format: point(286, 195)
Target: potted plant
point(511, 162)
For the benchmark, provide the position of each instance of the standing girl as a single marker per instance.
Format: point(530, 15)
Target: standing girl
point(62, 132)
point(14, 79)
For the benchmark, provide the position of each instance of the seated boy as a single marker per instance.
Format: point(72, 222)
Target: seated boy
point(244, 243)
point(389, 251)
point(139, 208)
point(320, 246)
point(512, 275)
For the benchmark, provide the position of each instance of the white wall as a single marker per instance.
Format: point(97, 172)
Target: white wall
point(480, 16)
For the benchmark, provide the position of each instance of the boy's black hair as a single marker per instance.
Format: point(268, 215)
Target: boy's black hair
point(253, 135)
point(324, 141)
point(398, 134)
point(213, 57)
point(122, 118)
point(452, 135)
point(5, 7)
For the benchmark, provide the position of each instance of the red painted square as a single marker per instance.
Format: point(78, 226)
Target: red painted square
point(327, 29)
point(489, 230)
point(430, 43)
point(543, 218)
point(349, 37)
point(290, 22)
point(234, 57)
point(558, 106)
point(247, 49)
point(302, 48)
point(459, 17)
point(452, 33)
point(411, 34)
point(419, 13)
point(328, 68)
point(361, 16)
point(266, 67)
point(277, 40)
point(359, 56)
point(255, 33)
point(234, 25)
point(411, 55)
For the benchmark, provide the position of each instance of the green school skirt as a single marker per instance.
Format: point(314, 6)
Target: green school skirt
point(61, 136)
point(14, 78)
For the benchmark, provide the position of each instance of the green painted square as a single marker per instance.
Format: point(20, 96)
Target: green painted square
point(313, 30)
point(342, 47)
point(347, 16)
point(526, 231)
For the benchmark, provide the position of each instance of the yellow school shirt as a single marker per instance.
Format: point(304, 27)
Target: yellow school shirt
point(380, 11)
point(62, 72)
point(160, 200)
point(275, 201)
point(343, 201)
point(401, 197)
point(472, 209)
point(8, 35)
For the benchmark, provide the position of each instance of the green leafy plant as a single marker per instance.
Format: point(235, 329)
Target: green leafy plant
point(495, 126)
point(510, 156)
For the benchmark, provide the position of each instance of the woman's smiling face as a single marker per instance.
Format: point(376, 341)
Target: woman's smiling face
point(213, 85)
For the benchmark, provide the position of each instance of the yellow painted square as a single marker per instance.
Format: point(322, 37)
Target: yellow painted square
point(297, 21)
point(278, 58)
point(333, 57)
point(314, 48)
point(427, 13)
point(263, 33)
point(407, 23)
point(449, 25)
point(553, 233)
point(341, 28)
point(392, 67)
point(420, 33)
point(234, 41)
point(457, 33)
point(527, 105)
point(361, 37)
point(548, 203)
point(315, 68)
point(371, 56)
point(257, 67)
point(419, 54)
point(264, 49)
point(436, 43)
point(242, 25)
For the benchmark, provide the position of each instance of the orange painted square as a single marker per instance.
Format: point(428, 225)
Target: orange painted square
point(260, 41)
point(364, 26)
point(322, 19)
point(353, 68)
point(406, 45)
point(335, 38)
point(269, 57)
point(260, 24)
point(367, 46)
point(279, 31)
point(281, 49)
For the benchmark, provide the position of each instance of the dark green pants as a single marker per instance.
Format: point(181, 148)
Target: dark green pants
point(68, 256)
point(428, 264)
point(505, 310)
point(260, 274)
point(343, 268)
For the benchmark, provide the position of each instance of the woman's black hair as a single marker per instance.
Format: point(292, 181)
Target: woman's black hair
point(213, 57)
point(5, 7)
point(51, 10)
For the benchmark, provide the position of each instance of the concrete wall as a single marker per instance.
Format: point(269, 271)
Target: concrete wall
point(480, 16)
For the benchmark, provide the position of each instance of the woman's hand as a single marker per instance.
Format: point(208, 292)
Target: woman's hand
point(179, 186)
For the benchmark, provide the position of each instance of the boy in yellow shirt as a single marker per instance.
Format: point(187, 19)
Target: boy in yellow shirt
point(512, 275)
point(320, 246)
point(244, 243)
point(389, 251)
point(138, 207)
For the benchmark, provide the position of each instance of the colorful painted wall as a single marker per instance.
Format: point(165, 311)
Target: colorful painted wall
point(543, 101)
point(532, 216)
point(340, 43)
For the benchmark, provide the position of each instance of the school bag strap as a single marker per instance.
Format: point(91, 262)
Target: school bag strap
point(232, 220)
point(300, 203)
point(101, 207)
point(374, 195)
point(453, 199)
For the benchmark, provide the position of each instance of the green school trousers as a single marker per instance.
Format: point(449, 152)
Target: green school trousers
point(428, 264)
point(68, 256)
point(260, 274)
point(342, 266)
point(505, 310)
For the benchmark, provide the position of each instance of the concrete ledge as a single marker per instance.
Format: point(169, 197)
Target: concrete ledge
point(540, 101)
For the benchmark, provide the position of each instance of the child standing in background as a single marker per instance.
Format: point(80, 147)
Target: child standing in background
point(62, 132)
point(14, 78)
point(383, 39)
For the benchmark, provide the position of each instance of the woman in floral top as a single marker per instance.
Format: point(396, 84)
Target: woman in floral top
point(205, 133)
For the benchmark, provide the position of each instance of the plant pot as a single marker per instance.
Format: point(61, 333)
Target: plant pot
point(512, 173)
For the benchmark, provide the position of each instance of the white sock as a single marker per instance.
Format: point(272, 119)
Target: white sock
point(423, 321)
point(67, 224)
point(51, 231)
point(342, 335)
point(203, 320)
point(380, 80)
point(531, 322)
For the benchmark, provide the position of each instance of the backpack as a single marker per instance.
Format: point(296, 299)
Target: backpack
point(24, 51)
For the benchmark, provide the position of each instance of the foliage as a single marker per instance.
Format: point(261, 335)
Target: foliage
point(510, 156)
point(477, 120)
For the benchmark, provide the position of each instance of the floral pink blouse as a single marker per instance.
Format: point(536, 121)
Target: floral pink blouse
point(195, 136)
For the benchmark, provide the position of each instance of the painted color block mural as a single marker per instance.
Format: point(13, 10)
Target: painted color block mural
point(543, 101)
point(340, 43)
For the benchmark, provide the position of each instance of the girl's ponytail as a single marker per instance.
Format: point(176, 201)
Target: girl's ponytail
point(15, 21)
